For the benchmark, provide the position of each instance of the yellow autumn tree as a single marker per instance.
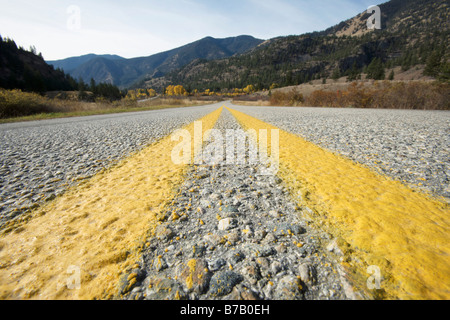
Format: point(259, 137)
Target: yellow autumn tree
point(131, 95)
point(141, 93)
point(176, 90)
point(151, 93)
point(249, 89)
point(180, 91)
point(274, 86)
point(170, 90)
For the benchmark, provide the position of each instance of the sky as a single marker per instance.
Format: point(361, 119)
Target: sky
point(135, 28)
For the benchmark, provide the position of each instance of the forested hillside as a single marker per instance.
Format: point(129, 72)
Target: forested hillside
point(128, 72)
point(414, 33)
point(26, 70)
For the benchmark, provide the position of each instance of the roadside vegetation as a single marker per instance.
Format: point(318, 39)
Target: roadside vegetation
point(16, 105)
point(418, 95)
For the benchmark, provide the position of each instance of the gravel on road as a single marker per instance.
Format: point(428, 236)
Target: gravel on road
point(412, 146)
point(233, 234)
point(230, 233)
point(40, 160)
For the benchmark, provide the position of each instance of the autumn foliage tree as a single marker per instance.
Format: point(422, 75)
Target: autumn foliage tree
point(249, 89)
point(176, 91)
point(140, 94)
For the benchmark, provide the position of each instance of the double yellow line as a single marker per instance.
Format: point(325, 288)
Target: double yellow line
point(98, 227)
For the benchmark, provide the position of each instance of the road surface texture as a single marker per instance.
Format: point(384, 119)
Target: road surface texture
point(40, 160)
point(409, 145)
point(97, 208)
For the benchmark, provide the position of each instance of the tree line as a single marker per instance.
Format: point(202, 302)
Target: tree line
point(299, 59)
point(27, 70)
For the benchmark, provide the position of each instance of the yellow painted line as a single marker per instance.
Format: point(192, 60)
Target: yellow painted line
point(378, 221)
point(93, 232)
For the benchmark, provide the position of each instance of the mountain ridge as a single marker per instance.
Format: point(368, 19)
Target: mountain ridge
point(124, 72)
point(413, 32)
point(70, 64)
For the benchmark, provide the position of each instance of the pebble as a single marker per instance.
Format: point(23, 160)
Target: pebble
point(334, 247)
point(222, 283)
point(196, 276)
point(304, 272)
point(226, 224)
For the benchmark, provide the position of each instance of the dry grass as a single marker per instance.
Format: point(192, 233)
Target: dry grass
point(255, 99)
point(381, 95)
point(252, 103)
point(386, 95)
point(291, 98)
point(182, 102)
point(16, 105)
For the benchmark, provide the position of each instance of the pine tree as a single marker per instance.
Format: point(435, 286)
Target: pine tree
point(336, 74)
point(444, 75)
point(433, 65)
point(289, 78)
point(375, 70)
point(354, 73)
point(93, 86)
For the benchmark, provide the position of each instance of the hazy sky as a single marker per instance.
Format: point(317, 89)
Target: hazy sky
point(134, 28)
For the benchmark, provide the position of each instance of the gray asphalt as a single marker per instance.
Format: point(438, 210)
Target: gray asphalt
point(412, 146)
point(41, 159)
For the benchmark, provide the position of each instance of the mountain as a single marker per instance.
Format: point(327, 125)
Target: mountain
point(25, 70)
point(126, 72)
point(415, 33)
point(70, 64)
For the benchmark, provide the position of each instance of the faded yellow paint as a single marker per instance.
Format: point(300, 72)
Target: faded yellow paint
point(378, 221)
point(97, 227)
point(192, 264)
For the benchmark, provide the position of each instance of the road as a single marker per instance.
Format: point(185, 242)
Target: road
point(41, 159)
point(223, 231)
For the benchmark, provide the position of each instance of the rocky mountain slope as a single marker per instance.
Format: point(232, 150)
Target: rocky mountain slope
point(125, 72)
point(414, 33)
